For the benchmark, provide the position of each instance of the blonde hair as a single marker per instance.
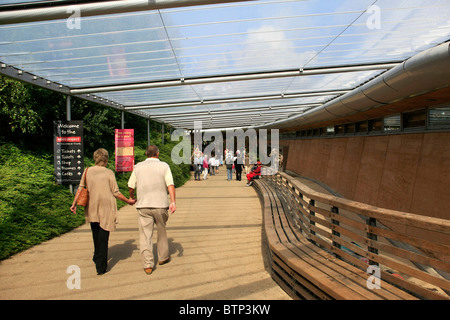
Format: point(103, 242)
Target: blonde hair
point(101, 157)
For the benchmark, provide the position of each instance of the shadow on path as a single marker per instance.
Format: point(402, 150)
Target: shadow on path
point(120, 252)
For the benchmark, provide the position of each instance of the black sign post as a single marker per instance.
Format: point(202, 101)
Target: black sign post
point(68, 151)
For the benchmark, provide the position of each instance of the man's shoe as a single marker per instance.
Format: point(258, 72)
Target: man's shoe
point(148, 271)
point(164, 261)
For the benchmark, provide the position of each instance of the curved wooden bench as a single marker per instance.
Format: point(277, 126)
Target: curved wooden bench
point(321, 246)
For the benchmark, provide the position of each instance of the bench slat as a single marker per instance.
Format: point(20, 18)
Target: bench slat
point(313, 271)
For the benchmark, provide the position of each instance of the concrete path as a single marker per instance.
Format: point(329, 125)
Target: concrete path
point(216, 248)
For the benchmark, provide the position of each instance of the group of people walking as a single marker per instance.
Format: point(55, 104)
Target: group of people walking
point(234, 163)
point(153, 180)
point(204, 165)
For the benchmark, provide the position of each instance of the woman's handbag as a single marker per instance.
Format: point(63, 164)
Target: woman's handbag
point(83, 193)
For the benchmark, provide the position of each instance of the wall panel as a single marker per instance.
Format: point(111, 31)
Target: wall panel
point(405, 172)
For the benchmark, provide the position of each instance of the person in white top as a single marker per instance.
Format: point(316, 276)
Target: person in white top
point(217, 163)
point(212, 165)
point(229, 165)
point(153, 179)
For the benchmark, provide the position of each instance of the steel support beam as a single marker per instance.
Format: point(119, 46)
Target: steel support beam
point(236, 117)
point(258, 110)
point(223, 122)
point(241, 99)
point(234, 120)
point(23, 76)
point(95, 8)
point(235, 77)
point(218, 127)
point(18, 74)
point(233, 127)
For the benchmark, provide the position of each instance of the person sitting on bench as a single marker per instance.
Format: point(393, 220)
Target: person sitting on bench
point(254, 173)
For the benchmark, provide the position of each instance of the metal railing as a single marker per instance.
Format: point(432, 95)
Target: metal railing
point(409, 250)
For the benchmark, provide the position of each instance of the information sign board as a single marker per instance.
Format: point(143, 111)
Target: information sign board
point(124, 139)
point(68, 151)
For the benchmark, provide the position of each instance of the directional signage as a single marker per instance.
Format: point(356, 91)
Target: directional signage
point(68, 151)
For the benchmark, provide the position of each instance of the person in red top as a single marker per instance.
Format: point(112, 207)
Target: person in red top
point(256, 171)
point(205, 167)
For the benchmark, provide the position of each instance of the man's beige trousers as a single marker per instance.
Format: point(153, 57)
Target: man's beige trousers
point(148, 217)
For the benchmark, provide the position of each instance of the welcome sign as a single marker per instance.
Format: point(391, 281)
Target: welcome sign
point(124, 141)
point(68, 151)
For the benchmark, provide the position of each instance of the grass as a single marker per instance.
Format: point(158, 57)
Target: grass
point(33, 208)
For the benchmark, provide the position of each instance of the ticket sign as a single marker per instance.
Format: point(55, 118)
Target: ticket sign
point(124, 139)
point(68, 151)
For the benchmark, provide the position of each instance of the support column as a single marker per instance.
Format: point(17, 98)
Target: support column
point(148, 132)
point(68, 108)
point(69, 118)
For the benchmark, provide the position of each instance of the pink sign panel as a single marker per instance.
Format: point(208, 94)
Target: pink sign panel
point(124, 139)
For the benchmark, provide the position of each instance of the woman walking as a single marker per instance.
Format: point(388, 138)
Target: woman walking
point(205, 167)
point(101, 211)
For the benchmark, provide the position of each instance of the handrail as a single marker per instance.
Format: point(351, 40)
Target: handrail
point(428, 223)
point(410, 250)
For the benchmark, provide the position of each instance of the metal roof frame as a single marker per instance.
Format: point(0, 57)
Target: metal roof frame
point(241, 107)
point(236, 77)
point(255, 110)
point(240, 99)
point(45, 11)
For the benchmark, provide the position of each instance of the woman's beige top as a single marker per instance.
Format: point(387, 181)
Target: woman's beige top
point(102, 206)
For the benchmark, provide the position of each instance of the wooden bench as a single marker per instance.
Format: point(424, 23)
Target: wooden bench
point(321, 246)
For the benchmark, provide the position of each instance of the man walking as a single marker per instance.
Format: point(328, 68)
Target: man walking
point(152, 179)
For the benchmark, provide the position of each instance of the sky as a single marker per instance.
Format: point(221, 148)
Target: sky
point(234, 38)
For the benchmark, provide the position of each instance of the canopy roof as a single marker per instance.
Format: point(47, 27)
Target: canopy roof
point(225, 63)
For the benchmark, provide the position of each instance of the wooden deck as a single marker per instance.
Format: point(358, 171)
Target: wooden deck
point(216, 247)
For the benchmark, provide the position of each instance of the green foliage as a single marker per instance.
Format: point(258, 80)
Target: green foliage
point(14, 98)
point(33, 208)
point(27, 112)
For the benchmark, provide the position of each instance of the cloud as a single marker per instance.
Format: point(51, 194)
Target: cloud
point(268, 46)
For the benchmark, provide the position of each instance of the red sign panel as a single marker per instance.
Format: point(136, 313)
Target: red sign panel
point(124, 139)
point(68, 139)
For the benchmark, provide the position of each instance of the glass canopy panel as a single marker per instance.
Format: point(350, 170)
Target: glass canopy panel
point(152, 96)
point(17, 1)
point(110, 49)
point(389, 31)
point(302, 104)
point(235, 89)
point(239, 89)
point(230, 113)
point(332, 81)
point(263, 35)
point(235, 38)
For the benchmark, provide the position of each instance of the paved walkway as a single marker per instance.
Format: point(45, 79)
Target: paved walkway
point(216, 247)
